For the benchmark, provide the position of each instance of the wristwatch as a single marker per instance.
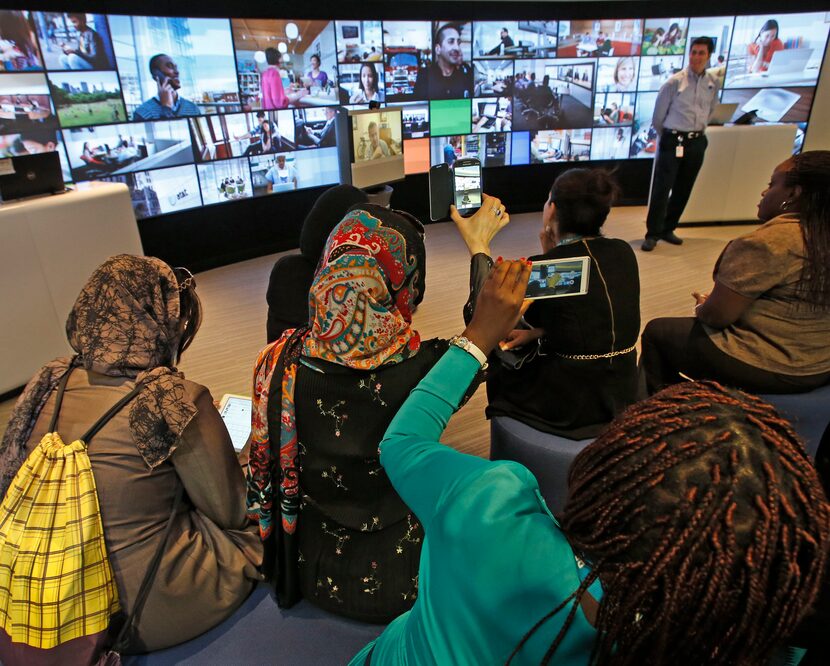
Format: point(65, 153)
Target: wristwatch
point(471, 349)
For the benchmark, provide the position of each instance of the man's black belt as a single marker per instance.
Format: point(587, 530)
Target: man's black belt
point(685, 135)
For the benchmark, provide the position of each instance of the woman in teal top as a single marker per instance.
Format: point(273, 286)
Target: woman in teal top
point(700, 561)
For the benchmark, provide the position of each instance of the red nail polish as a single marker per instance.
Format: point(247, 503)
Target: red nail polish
point(499, 259)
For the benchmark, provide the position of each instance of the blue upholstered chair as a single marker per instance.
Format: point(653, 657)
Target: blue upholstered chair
point(259, 632)
point(548, 456)
point(808, 412)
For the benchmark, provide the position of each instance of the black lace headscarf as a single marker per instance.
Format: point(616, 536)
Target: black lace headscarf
point(125, 323)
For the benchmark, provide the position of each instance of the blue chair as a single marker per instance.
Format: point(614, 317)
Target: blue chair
point(808, 412)
point(548, 456)
point(259, 632)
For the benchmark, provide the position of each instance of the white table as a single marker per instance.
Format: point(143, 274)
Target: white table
point(49, 247)
point(736, 169)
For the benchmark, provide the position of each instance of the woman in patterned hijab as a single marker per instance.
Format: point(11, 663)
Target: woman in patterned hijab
point(323, 396)
point(133, 318)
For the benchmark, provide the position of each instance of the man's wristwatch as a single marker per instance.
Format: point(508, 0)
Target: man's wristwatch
point(471, 349)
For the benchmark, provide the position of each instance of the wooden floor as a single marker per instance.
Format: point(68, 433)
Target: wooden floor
point(233, 331)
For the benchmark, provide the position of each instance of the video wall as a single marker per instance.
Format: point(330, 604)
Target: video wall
point(197, 111)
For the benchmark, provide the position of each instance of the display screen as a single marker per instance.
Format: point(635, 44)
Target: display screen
point(467, 190)
point(198, 111)
point(376, 151)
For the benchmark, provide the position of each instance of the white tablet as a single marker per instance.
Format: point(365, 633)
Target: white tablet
point(554, 278)
point(236, 413)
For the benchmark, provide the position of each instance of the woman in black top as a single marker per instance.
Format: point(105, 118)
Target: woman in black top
point(336, 531)
point(573, 366)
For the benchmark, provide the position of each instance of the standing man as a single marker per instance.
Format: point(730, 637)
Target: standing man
point(449, 77)
point(681, 113)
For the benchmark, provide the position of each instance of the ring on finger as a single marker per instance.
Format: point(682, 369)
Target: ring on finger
point(499, 211)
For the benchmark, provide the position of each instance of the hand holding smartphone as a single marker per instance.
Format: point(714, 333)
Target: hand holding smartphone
point(467, 186)
point(459, 185)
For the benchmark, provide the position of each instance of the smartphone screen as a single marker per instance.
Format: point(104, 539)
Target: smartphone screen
point(467, 186)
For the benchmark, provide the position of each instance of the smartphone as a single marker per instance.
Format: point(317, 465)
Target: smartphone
point(158, 76)
point(440, 192)
point(554, 278)
point(467, 185)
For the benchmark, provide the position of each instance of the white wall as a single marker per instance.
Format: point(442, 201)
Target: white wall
point(818, 130)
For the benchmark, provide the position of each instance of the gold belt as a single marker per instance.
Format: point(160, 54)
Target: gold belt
point(593, 357)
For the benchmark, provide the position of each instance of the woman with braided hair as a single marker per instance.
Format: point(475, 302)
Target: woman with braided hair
point(766, 324)
point(696, 532)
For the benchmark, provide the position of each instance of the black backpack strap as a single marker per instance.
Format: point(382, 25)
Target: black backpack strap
point(59, 399)
point(124, 635)
point(112, 411)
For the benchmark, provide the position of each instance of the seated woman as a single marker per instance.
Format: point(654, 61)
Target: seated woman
point(338, 533)
point(129, 326)
point(576, 366)
point(766, 325)
point(292, 274)
point(680, 519)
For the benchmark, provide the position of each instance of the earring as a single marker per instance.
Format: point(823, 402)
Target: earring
point(785, 204)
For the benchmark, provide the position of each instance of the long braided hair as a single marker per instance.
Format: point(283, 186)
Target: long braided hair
point(811, 172)
point(702, 515)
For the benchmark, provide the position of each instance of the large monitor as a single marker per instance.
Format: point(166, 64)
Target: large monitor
point(191, 112)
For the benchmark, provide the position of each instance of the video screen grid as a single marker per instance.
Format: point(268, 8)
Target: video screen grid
point(197, 111)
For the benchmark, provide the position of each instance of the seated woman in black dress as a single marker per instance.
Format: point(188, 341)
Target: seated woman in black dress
point(766, 325)
point(292, 274)
point(577, 365)
point(325, 393)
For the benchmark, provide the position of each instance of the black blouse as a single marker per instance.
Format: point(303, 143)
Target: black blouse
point(572, 397)
point(359, 544)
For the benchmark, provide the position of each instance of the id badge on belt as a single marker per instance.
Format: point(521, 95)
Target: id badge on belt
point(678, 152)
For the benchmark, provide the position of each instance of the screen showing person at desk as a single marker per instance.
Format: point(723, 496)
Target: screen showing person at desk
point(779, 50)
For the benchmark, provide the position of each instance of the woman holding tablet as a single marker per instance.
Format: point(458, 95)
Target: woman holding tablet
point(129, 327)
point(571, 367)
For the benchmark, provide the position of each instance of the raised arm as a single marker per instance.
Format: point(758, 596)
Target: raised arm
point(477, 231)
point(422, 469)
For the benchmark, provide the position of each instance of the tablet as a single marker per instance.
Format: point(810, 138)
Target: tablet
point(236, 413)
point(554, 278)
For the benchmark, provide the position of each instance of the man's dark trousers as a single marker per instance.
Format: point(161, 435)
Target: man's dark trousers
point(676, 175)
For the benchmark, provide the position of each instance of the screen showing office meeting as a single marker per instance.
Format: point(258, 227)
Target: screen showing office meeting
point(197, 111)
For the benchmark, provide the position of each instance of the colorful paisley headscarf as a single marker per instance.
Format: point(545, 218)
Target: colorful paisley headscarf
point(368, 282)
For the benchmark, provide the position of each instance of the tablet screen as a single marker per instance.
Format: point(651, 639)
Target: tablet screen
point(236, 413)
point(552, 278)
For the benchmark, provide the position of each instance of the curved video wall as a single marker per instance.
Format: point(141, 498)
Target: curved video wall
point(196, 111)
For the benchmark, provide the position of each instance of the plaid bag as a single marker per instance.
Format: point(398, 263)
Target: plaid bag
point(57, 590)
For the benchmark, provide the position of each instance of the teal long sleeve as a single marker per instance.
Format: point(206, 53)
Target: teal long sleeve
point(494, 561)
point(422, 469)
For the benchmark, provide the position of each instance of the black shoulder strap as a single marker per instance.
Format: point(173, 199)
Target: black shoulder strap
point(59, 399)
point(123, 639)
point(112, 411)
